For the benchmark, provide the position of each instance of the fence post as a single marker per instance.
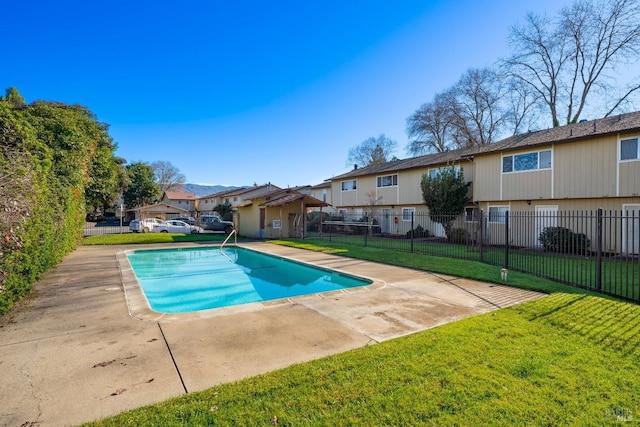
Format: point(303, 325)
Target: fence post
point(412, 232)
point(366, 233)
point(481, 231)
point(599, 250)
point(506, 239)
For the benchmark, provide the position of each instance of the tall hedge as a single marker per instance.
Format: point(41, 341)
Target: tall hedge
point(46, 153)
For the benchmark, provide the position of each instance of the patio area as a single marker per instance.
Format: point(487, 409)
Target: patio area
point(76, 351)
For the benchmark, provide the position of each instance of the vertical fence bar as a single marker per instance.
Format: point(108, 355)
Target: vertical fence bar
point(599, 249)
point(506, 239)
point(412, 214)
point(481, 237)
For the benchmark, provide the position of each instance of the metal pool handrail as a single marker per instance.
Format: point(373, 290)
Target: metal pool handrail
point(233, 232)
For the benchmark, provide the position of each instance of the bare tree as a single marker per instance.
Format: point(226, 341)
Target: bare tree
point(522, 106)
point(167, 176)
point(372, 151)
point(479, 115)
point(431, 127)
point(570, 61)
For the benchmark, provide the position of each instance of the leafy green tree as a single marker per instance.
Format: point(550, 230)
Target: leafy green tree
point(445, 194)
point(225, 211)
point(142, 189)
point(104, 184)
point(47, 150)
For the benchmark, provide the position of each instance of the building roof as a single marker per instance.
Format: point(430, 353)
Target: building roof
point(628, 122)
point(292, 197)
point(162, 207)
point(574, 132)
point(179, 195)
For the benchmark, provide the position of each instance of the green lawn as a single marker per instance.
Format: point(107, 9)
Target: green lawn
point(140, 238)
point(619, 276)
point(568, 359)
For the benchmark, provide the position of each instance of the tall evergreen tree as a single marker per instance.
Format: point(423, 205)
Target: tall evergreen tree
point(445, 194)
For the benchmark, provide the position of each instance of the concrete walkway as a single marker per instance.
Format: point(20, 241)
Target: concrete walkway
point(77, 352)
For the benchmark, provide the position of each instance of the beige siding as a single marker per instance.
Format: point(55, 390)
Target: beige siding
point(527, 185)
point(280, 214)
point(585, 168)
point(366, 186)
point(409, 186)
point(387, 196)
point(249, 221)
point(348, 198)
point(629, 177)
point(487, 174)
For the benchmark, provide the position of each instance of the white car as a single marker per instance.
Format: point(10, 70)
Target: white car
point(143, 225)
point(175, 226)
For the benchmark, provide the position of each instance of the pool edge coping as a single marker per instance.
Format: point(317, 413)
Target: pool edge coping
point(139, 308)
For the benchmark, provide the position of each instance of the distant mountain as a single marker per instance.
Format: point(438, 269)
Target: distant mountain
point(204, 190)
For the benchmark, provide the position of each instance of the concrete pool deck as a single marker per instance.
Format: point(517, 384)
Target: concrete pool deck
point(74, 353)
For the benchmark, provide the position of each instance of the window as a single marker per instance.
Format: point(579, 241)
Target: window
point(470, 214)
point(408, 213)
point(497, 214)
point(534, 160)
point(629, 149)
point(324, 195)
point(388, 180)
point(434, 172)
point(348, 185)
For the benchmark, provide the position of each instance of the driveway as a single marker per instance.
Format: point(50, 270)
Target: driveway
point(77, 351)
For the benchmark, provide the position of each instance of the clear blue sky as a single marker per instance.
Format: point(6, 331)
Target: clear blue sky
point(237, 92)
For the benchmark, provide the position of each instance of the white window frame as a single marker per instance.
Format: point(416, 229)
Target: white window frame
point(406, 213)
point(354, 185)
point(393, 178)
point(513, 162)
point(637, 158)
point(502, 210)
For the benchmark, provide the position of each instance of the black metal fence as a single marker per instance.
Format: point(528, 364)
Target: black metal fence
point(105, 227)
point(595, 250)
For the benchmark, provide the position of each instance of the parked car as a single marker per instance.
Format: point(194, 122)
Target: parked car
point(143, 225)
point(188, 219)
point(175, 226)
point(213, 222)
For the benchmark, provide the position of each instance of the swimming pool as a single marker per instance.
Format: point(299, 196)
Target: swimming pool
point(187, 280)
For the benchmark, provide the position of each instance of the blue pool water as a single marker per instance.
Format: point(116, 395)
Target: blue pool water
point(193, 279)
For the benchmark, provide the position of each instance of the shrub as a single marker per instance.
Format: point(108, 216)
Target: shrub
point(314, 219)
point(458, 235)
point(563, 240)
point(418, 232)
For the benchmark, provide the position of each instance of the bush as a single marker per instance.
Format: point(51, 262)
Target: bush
point(46, 150)
point(358, 230)
point(458, 235)
point(563, 240)
point(314, 219)
point(418, 233)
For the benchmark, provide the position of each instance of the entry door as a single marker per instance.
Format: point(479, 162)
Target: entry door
point(631, 229)
point(546, 216)
point(385, 222)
